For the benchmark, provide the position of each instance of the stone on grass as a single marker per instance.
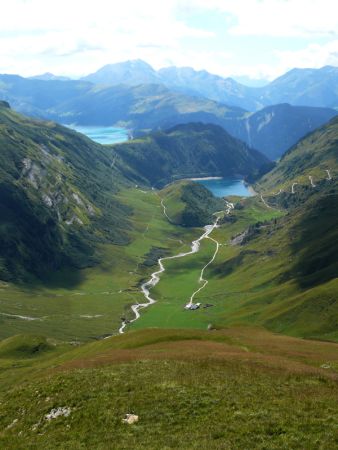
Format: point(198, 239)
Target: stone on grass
point(57, 412)
point(130, 419)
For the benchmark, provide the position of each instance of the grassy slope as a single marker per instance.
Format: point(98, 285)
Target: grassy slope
point(237, 388)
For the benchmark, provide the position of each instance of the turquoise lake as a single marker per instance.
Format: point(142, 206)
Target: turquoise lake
point(103, 135)
point(225, 186)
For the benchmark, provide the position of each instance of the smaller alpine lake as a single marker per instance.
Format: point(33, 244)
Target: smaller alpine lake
point(103, 135)
point(222, 187)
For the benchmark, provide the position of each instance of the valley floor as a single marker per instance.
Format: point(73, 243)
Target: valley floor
point(245, 282)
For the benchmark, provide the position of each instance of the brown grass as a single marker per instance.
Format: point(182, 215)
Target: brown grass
point(253, 346)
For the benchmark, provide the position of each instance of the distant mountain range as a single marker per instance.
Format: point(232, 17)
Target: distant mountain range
point(304, 87)
point(149, 107)
point(49, 76)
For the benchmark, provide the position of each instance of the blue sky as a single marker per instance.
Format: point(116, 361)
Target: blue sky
point(258, 39)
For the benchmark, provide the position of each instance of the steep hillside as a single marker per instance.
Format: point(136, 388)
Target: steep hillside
point(312, 157)
point(185, 151)
point(56, 197)
point(275, 129)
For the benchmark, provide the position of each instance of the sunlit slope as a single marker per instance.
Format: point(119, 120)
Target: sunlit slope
point(237, 388)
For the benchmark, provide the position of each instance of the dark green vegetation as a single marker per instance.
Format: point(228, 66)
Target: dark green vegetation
point(190, 204)
point(233, 389)
point(56, 198)
point(192, 150)
point(144, 107)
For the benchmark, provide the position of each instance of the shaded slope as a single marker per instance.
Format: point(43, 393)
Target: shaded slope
point(312, 156)
point(293, 260)
point(56, 197)
point(190, 204)
point(187, 151)
point(275, 129)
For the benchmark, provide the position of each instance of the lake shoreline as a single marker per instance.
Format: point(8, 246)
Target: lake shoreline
point(101, 134)
point(225, 187)
point(204, 178)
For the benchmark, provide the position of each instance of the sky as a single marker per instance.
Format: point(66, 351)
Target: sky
point(256, 39)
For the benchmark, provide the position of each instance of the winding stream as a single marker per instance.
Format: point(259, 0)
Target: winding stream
point(155, 276)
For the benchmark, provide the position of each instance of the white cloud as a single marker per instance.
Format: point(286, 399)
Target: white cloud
point(77, 37)
point(314, 55)
point(276, 17)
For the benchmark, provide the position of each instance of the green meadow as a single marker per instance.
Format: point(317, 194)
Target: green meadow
point(234, 388)
point(87, 304)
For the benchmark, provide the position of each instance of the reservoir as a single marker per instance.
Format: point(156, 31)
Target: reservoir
point(222, 187)
point(103, 135)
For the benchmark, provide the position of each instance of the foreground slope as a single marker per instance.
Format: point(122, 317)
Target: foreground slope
point(236, 389)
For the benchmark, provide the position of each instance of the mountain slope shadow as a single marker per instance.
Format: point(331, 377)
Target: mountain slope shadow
point(314, 243)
